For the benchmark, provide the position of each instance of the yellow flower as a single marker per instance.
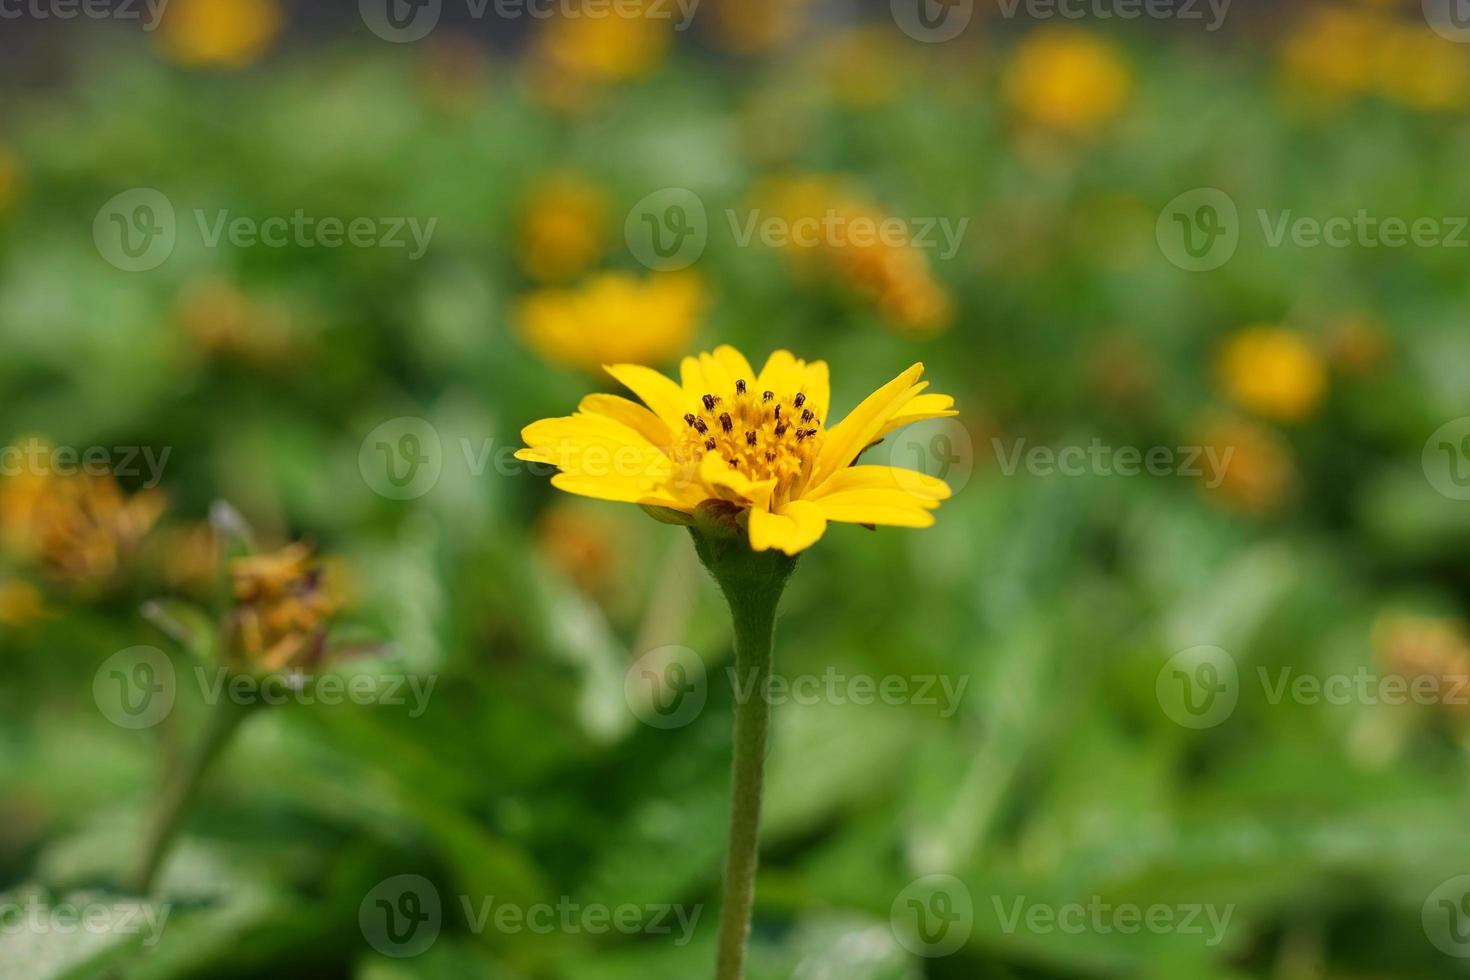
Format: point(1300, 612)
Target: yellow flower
point(80, 527)
point(595, 43)
point(1067, 80)
point(564, 228)
point(221, 319)
point(20, 604)
point(9, 181)
point(613, 317)
point(757, 443)
point(753, 26)
point(1255, 473)
point(219, 33)
point(892, 274)
point(283, 607)
point(1273, 372)
point(1434, 648)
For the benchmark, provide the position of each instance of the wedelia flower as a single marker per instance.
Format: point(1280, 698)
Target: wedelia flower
point(761, 445)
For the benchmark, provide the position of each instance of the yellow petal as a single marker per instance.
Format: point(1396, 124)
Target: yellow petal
point(818, 387)
point(631, 414)
point(889, 507)
point(734, 363)
point(925, 490)
point(795, 529)
point(853, 434)
point(604, 489)
point(732, 485)
point(919, 408)
point(595, 447)
point(780, 374)
point(659, 393)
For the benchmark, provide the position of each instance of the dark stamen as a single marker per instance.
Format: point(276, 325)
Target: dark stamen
point(800, 434)
point(799, 400)
point(778, 412)
point(709, 444)
point(700, 427)
point(740, 386)
point(689, 417)
point(750, 438)
point(767, 395)
point(725, 422)
point(780, 429)
point(806, 415)
point(733, 464)
point(770, 457)
point(709, 403)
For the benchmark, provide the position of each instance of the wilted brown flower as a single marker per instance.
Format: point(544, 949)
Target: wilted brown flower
point(283, 607)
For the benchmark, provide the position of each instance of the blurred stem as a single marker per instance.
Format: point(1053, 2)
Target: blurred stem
point(180, 788)
point(752, 583)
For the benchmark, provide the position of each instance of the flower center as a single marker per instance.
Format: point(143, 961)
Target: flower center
point(762, 434)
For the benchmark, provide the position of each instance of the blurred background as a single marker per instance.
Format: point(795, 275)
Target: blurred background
point(1176, 687)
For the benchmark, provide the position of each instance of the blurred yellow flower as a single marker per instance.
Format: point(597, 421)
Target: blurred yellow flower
point(847, 246)
point(223, 320)
point(81, 528)
point(1067, 80)
point(599, 43)
point(10, 181)
point(219, 33)
point(1344, 51)
point(283, 607)
point(21, 604)
point(1272, 372)
point(583, 543)
point(1256, 472)
point(564, 228)
point(757, 444)
point(190, 557)
point(754, 26)
point(614, 317)
point(1357, 345)
point(1433, 648)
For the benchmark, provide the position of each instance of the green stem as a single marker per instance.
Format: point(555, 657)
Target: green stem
point(181, 787)
point(752, 583)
